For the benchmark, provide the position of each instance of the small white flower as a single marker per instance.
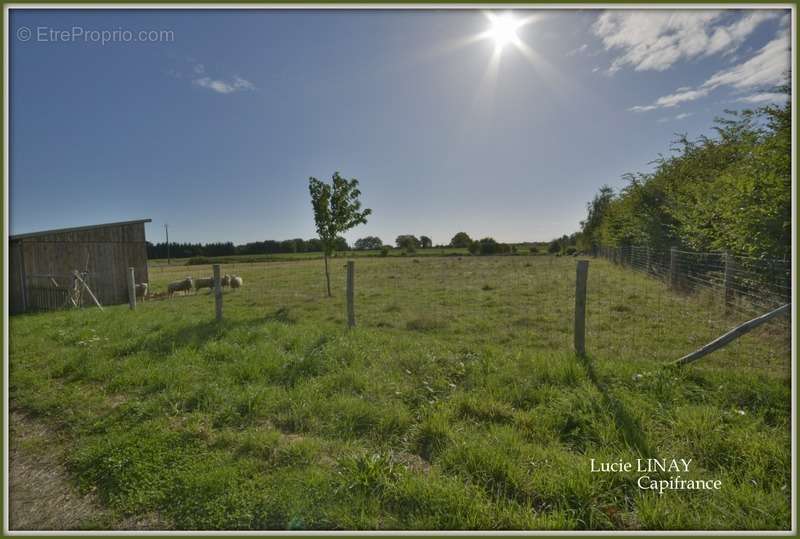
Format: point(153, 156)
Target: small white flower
point(741, 412)
point(637, 377)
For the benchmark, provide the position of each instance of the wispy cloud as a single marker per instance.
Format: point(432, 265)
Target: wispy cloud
point(764, 97)
point(656, 40)
point(195, 71)
point(579, 50)
point(236, 84)
point(681, 116)
point(768, 68)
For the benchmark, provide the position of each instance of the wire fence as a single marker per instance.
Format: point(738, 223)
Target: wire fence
point(744, 286)
point(641, 304)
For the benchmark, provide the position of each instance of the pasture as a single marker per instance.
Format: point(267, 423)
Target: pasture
point(456, 402)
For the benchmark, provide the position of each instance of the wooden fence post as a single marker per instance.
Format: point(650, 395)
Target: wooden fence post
point(727, 281)
point(132, 287)
point(217, 293)
point(733, 334)
point(673, 267)
point(351, 310)
point(580, 306)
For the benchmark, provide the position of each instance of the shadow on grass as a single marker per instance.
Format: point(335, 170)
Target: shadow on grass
point(197, 334)
point(627, 424)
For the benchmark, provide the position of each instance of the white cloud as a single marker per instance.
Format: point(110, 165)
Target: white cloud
point(657, 39)
point(224, 87)
point(579, 50)
point(199, 69)
point(768, 68)
point(764, 97)
point(680, 116)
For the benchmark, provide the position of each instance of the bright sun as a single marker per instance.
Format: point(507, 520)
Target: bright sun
point(503, 29)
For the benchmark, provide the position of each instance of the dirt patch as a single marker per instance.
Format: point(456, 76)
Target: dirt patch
point(41, 495)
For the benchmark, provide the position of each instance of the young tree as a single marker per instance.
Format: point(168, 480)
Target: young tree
point(336, 210)
point(426, 242)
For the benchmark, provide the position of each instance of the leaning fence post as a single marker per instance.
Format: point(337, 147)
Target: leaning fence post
point(217, 292)
point(132, 288)
point(351, 310)
point(580, 306)
point(673, 267)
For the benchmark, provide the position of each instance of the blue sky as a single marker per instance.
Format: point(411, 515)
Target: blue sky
point(217, 128)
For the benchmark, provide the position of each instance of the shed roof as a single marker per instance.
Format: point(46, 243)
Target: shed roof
point(76, 229)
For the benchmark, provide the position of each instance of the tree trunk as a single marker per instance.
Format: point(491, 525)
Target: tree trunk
point(327, 276)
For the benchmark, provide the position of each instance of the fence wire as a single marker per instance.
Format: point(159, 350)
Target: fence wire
point(641, 304)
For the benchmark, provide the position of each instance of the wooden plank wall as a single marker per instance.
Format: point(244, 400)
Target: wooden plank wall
point(106, 252)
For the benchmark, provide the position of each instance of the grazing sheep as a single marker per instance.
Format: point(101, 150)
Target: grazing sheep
point(185, 285)
point(141, 291)
point(236, 281)
point(226, 280)
point(204, 283)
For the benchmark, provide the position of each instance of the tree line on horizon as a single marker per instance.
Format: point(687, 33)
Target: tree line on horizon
point(407, 242)
point(727, 192)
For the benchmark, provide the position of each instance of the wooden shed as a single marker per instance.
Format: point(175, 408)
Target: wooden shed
point(42, 264)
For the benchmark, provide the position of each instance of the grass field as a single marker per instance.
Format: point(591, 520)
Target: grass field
point(456, 403)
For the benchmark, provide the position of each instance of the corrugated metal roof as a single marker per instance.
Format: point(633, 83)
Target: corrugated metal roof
point(76, 229)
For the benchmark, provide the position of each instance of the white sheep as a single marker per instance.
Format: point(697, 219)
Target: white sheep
point(226, 280)
point(184, 285)
point(204, 283)
point(236, 281)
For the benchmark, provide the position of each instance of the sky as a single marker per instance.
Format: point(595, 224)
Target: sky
point(213, 121)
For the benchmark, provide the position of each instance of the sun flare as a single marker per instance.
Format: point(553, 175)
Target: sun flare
point(503, 29)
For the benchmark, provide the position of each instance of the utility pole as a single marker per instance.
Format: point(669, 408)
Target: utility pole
point(166, 229)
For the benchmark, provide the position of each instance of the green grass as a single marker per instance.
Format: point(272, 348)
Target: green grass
point(456, 402)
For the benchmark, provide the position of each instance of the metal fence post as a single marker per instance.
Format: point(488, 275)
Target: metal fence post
point(218, 292)
point(351, 311)
point(132, 287)
point(580, 306)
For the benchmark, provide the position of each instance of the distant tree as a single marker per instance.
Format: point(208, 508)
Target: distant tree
point(554, 247)
point(314, 245)
point(337, 209)
point(340, 244)
point(474, 247)
point(461, 239)
point(408, 242)
point(288, 246)
point(369, 242)
point(426, 242)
